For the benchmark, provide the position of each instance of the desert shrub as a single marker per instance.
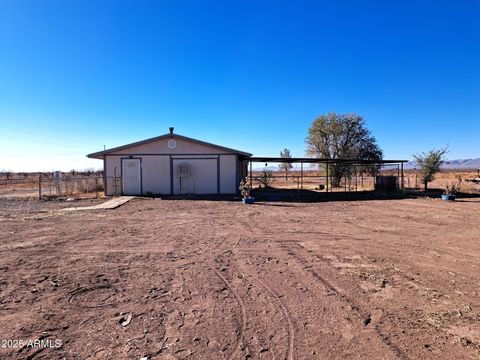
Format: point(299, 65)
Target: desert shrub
point(265, 179)
point(430, 164)
point(83, 186)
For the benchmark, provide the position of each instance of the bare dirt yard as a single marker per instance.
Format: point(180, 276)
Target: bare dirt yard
point(383, 279)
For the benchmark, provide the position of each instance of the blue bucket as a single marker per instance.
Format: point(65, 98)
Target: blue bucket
point(448, 197)
point(249, 200)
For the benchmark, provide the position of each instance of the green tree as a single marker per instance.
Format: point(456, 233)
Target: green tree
point(285, 166)
point(342, 136)
point(429, 164)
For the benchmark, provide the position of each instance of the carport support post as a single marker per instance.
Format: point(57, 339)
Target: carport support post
point(398, 177)
point(301, 174)
point(251, 175)
point(326, 176)
point(403, 185)
point(356, 179)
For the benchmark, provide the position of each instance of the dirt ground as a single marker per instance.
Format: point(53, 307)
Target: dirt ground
point(383, 279)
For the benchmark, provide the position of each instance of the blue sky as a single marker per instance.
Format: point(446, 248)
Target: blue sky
point(252, 75)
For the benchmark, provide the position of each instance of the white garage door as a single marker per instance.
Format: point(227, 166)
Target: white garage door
point(201, 178)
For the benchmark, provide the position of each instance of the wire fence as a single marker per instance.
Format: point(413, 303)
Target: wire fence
point(44, 185)
point(360, 182)
point(64, 185)
point(393, 180)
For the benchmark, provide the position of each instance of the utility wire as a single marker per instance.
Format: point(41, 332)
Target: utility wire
point(46, 136)
point(43, 142)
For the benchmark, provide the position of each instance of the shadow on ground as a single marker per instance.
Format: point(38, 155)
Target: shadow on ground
point(310, 196)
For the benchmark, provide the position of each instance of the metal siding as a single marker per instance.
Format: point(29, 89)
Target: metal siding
point(105, 177)
point(156, 174)
point(228, 178)
point(203, 179)
point(100, 154)
point(160, 147)
point(218, 175)
point(112, 162)
point(171, 174)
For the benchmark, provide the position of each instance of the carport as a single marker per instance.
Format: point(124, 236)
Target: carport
point(396, 166)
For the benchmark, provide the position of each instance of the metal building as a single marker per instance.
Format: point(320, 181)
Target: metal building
point(172, 164)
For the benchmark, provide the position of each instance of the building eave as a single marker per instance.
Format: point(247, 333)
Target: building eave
point(101, 154)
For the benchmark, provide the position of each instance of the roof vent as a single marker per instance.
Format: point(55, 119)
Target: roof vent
point(171, 130)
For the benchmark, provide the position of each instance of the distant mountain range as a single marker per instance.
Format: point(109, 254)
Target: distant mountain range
point(452, 164)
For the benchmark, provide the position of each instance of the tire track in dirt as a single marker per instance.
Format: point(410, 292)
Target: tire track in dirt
point(286, 314)
point(305, 264)
point(191, 329)
point(272, 294)
point(364, 314)
point(204, 257)
point(243, 312)
point(252, 225)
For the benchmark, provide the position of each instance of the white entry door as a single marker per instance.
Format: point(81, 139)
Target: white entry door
point(131, 177)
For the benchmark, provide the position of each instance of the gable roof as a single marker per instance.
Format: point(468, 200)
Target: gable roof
point(100, 154)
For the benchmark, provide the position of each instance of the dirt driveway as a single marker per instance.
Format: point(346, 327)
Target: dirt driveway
point(392, 279)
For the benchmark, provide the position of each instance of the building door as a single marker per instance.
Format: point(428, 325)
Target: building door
point(131, 177)
point(201, 177)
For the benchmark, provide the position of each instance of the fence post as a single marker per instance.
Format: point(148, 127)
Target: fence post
point(96, 187)
point(39, 186)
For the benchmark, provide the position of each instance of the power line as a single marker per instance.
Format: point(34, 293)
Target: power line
point(46, 136)
point(49, 154)
point(43, 142)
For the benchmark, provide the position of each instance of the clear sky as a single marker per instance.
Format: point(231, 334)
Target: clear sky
point(252, 75)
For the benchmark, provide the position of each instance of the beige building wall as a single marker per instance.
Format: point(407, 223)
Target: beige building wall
point(203, 177)
point(214, 170)
point(156, 174)
point(228, 174)
point(160, 147)
point(112, 169)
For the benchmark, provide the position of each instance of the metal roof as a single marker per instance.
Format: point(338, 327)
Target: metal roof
point(101, 154)
point(322, 160)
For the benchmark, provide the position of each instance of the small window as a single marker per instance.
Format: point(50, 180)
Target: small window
point(183, 170)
